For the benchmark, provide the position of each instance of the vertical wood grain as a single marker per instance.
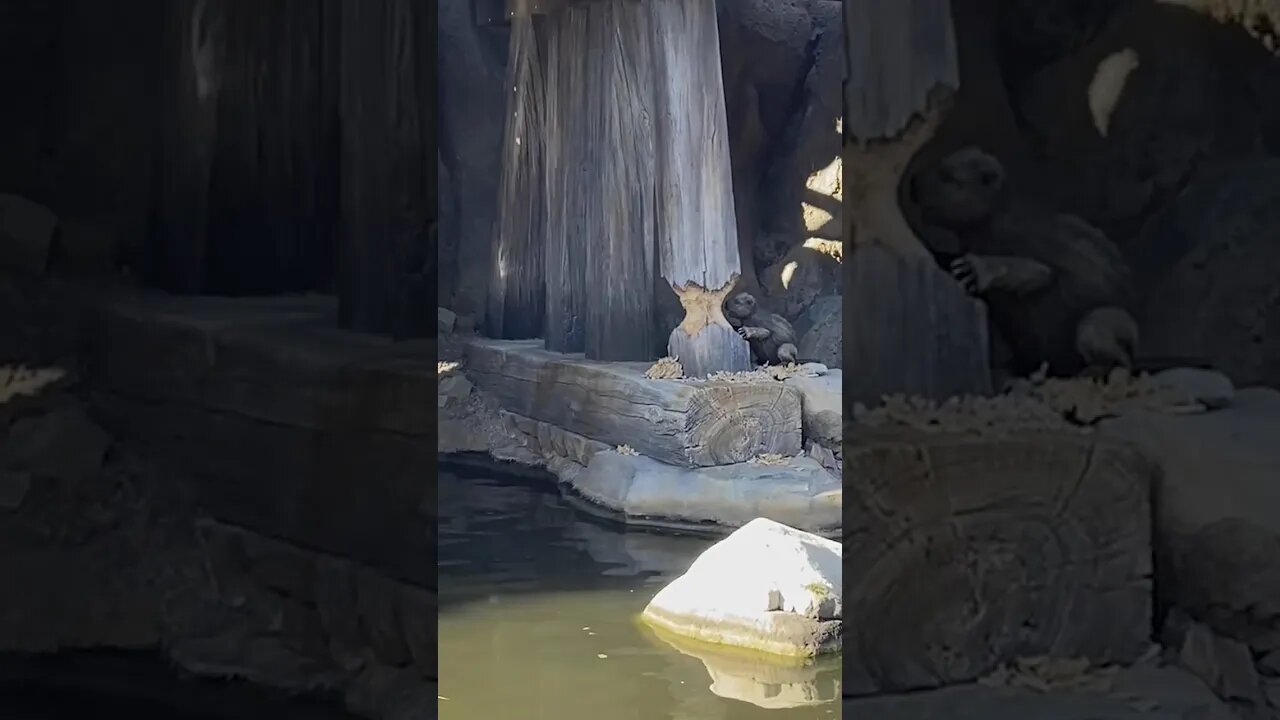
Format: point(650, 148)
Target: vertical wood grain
point(898, 52)
point(697, 227)
point(517, 292)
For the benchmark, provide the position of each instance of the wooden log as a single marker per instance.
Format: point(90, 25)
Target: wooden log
point(275, 417)
point(696, 226)
point(517, 294)
point(910, 329)
point(962, 554)
point(903, 71)
point(678, 422)
point(388, 194)
point(619, 259)
point(567, 154)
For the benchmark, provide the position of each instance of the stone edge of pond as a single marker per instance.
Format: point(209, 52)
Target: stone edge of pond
point(793, 492)
point(643, 493)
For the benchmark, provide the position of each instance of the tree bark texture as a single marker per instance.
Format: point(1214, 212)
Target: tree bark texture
point(697, 227)
point(517, 294)
point(388, 193)
point(247, 181)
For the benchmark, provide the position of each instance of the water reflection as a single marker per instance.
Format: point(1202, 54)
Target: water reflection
point(763, 682)
point(539, 619)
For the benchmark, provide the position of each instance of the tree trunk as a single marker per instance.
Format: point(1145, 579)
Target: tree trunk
point(388, 166)
point(600, 179)
point(273, 187)
point(909, 327)
point(248, 168)
point(517, 294)
point(195, 37)
point(697, 230)
point(902, 74)
point(620, 259)
point(567, 154)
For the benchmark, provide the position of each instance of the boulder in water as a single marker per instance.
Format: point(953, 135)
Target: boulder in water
point(767, 587)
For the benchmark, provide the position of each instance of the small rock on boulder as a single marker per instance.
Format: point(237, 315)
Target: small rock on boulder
point(766, 587)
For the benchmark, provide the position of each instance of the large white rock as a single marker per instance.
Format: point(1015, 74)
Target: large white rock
point(766, 587)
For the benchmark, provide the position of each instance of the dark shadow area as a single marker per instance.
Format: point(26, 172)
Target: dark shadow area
point(217, 258)
point(508, 530)
point(138, 685)
point(1061, 301)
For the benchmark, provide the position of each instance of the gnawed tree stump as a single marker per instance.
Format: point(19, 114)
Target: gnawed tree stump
point(697, 229)
point(678, 422)
point(903, 71)
point(517, 294)
point(910, 328)
point(965, 553)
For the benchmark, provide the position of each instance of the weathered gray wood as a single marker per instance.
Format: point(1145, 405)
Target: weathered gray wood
point(964, 553)
point(899, 51)
point(909, 328)
point(195, 39)
point(273, 189)
point(567, 155)
point(248, 177)
point(903, 71)
point(712, 348)
point(696, 226)
point(517, 290)
point(388, 194)
point(679, 422)
point(619, 262)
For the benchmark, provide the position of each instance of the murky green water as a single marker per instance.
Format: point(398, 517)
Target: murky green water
point(538, 607)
